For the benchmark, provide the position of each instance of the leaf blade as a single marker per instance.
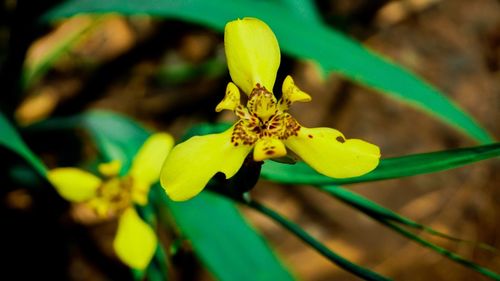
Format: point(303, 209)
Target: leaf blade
point(214, 244)
point(10, 139)
point(388, 168)
point(347, 265)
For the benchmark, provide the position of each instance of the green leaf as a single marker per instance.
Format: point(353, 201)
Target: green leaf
point(355, 269)
point(304, 39)
point(389, 168)
point(117, 136)
point(10, 139)
point(224, 241)
point(305, 9)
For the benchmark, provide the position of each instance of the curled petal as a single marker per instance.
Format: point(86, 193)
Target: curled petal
point(191, 164)
point(253, 54)
point(135, 241)
point(231, 99)
point(110, 169)
point(147, 163)
point(73, 184)
point(268, 148)
point(328, 152)
point(291, 94)
point(140, 192)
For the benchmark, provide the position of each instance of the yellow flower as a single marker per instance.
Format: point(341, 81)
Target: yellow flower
point(135, 241)
point(264, 125)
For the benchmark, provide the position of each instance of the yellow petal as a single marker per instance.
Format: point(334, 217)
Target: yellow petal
point(253, 54)
point(191, 164)
point(268, 148)
point(140, 192)
point(292, 93)
point(110, 169)
point(101, 206)
point(74, 184)
point(231, 99)
point(148, 161)
point(135, 241)
point(328, 152)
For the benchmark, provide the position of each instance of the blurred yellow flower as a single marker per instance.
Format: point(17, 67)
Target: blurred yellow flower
point(135, 241)
point(264, 125)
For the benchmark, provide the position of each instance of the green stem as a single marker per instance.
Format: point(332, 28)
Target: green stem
point(318, 246)
point(441, 250)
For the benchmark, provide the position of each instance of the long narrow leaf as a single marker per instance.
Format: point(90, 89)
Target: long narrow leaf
point(375, 210)
point(305, 9)
point(353, 268)
point(304, 39)
point(444, 252)
point(390, 219)
point(224, 241)
point(389, 168)
point(10, 139)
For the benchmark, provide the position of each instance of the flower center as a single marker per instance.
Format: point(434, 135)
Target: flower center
point(113, 196)
point(262, 117)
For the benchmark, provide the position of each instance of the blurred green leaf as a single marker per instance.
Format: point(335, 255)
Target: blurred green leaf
point(305, 9)
point(181, 71)
point(389, 168)
point(304, 39)
point(118, 137)
point(228, 246)
point(10, 139)
point(37, 68)
point(224, 240)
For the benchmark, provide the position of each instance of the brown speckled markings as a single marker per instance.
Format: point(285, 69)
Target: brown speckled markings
point(252, 127)
point(261, 99)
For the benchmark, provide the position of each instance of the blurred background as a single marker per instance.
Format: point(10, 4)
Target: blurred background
point(169, 75)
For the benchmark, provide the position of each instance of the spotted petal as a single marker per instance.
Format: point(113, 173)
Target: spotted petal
point(291, 94)
point(135, 241)
point(191, 164)
point(328, 152)
point(267, 148)
point(231, 99)
point(253, 54)
point(74, 184)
